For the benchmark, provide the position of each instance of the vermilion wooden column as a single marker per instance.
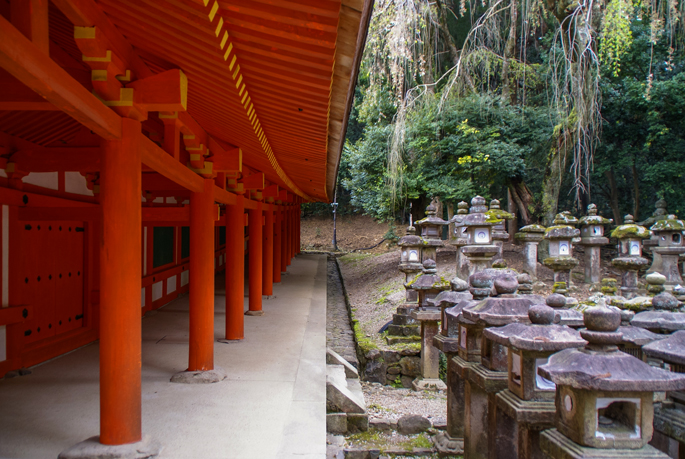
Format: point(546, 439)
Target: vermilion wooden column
point(268, 253)
point(278, 239)
point(120, 274)
point(289, 224)
point(299, 228)
point(284, 239)
point(255, 265)
point(235, 269)
point(202, 216)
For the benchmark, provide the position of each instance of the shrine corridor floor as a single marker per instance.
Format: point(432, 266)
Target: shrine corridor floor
point(272, 405)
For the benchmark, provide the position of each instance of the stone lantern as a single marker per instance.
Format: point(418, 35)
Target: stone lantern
point(451, 440)
point(411, 246)
point(480, 248)
point(660, 213)
point(669, 416)
point(527, 405)
point(499, 231)
point(592, 237)
point(428, 285)
point(563, 314)
point(560, 259)
point(530, 236)
point(634, 338)
point(431, 232)
point(629, 259)
point(670, 246)
point(488, 375)
point(663, 318)
point(604, 398)
point(459, 238)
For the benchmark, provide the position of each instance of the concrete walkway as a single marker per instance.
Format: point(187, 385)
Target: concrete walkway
point(273, 404)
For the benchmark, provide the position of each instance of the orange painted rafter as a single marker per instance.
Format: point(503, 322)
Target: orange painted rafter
point(226, 45)
point(26, 62)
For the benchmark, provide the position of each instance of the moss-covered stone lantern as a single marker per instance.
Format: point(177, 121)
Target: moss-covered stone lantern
point(564, 315)
point(630, 259)
point(411, 247)
point(669, 415)
point(431, 232)
point(660, 213)
point(670, 246)
point(527, 405)
point(604, 397)
point(530, 236)
point(664, 318)
point(459, 238)
point(592, 238)
point(560, 259)
point(634, 338)
point(480, 248)
point(499, 231)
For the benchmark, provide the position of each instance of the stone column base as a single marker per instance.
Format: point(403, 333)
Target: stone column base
point(254, 313)
point(428, 384)
point(448, 446)
point(93, 449)
point(556, 445)
point(199, 377)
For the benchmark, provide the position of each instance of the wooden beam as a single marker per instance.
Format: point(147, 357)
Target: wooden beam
point(166, 91)
point(28, 63)
point(85, 159)
point(223, 196)
point(155, 182)
point(227, 160)
point(254, 182)
point(16, 314)
point(26, 199)
point(35, 106)
point(271, 191)
point(166, 214)
point(160, 161)
point(30, 17)
point(59, 213)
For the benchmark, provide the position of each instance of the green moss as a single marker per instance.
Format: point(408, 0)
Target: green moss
point(364, 342)
point(625, 231)
point(442, 283)
point(497, 215)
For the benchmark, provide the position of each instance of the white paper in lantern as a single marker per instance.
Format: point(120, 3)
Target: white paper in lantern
point(413, 255)
point(516, 368)
point(462, 337)
point(597, 230)
point(564, 248)
point(404, 254)
point(540, 382)
point(635, 248)
point(482, 236)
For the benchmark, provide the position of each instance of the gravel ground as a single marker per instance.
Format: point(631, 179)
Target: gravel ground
point(392, 403)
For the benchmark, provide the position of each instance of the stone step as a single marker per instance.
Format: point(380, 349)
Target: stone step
point(333, 358)
point(403, 319)
point(402, 339)
point(339, 395)
point(404, 330)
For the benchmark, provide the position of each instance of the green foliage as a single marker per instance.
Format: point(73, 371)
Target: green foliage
point(616, 36)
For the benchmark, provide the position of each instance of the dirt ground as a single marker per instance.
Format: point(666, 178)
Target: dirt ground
point(375, 285)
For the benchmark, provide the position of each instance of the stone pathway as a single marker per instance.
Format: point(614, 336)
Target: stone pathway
point(339, 334)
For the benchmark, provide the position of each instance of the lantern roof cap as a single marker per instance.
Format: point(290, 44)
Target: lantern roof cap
point(670, 349)
point(670, 223)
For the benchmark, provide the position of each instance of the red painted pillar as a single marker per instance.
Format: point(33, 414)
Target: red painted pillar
point(299, 228)
point(202, 216)
point(120, 274)
point(289, 233)
point(255, 254)
point(235, 269)
point(284, 239)
point(268, 253)
point(278, 239)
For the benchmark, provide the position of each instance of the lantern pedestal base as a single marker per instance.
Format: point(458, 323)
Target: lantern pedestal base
point(556, 445)
point(448, 446)
point(428, 384)
point(93, 449)
point(254, 313)
point(200, 377)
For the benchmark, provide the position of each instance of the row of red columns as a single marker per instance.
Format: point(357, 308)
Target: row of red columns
point(273, 241)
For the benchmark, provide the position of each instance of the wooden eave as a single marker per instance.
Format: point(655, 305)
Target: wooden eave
point(272, 77)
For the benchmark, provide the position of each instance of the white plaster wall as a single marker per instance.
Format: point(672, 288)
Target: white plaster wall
point(157, 290)
point(76, 183)
point(185, 277)
point(142, 297)
point(171, 285)
point(48, 180)
point(4, 301)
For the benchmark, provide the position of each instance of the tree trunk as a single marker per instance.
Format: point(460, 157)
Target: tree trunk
point(613, 196)
point(512, 225)
point(447, 39)
point(450, 214)
point(523, 199)
point(508, 86)
point(557, 163)
point(636, 191)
